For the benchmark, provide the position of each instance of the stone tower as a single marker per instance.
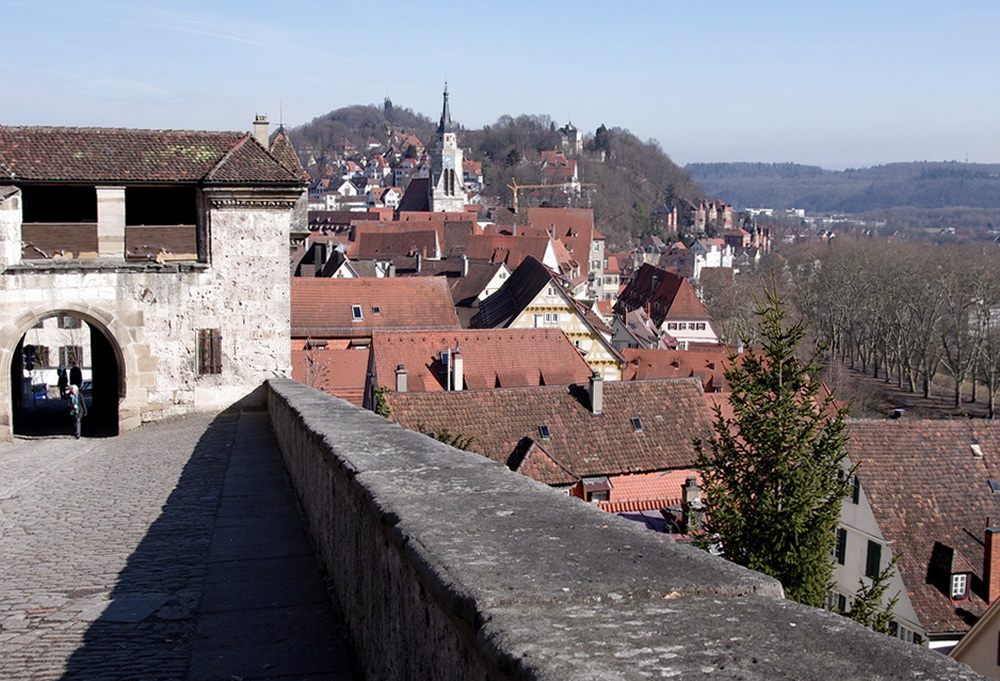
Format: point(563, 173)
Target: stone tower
point(447, 190)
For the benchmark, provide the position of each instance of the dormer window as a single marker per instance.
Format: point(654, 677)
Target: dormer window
point(959, 586)
point(356, 315)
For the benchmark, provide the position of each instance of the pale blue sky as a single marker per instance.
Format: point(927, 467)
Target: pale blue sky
point(848, 83)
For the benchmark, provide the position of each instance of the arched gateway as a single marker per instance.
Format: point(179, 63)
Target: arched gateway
point(168, 249)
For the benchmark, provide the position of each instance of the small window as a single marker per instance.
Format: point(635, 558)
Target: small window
point(842, 602)
point(855, 490)
point(544, 431)
point(841, 548)
point(356, 315)
point(70, 355)
point(873, 562)
point(636, 424)
point(209, 351)
point(69, 322)
point(959, 586)
point(376, 309)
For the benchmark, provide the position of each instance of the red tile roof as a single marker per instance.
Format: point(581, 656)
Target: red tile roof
point(498, 421)
point(378, 244)
point(510, 250)
point(322, 308)
point(34, 154)
point(647, 491)
point(707, 363)
point(930, 494)
point(547, 355)
point(337, 372)
point(664, 295)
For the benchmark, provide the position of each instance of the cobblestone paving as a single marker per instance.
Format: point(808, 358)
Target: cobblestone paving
point(105, 546)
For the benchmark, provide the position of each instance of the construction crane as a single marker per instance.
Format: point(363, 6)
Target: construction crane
point(514, 187)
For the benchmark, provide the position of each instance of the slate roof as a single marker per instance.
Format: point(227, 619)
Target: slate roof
point(664, 295)
point(321, 308)
point(48, 154)
point(499, 420)
point(518, 291)
point(930, 495)
point(506, 357)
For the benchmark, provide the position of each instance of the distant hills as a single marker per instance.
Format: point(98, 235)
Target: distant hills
point(926, 188)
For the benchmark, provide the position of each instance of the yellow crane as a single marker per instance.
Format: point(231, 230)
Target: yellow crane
point(514, 187)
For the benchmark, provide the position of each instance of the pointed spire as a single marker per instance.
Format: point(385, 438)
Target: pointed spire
point(445, 125)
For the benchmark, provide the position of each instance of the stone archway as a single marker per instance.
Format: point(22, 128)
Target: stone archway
point(104, 379)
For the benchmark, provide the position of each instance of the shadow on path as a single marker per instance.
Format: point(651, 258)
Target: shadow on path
point(223, 585)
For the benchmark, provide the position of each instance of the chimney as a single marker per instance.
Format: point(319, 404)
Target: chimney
point(260, 126)
point(457, 369)
point(691, 506)
point(596, 393)
point(418, 262)
point(401, 379)
point(991, 564)
point(465, 265)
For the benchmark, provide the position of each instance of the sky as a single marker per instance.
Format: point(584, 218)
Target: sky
point(835, 84)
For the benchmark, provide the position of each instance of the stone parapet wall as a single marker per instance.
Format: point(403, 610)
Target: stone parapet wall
point(448, 566)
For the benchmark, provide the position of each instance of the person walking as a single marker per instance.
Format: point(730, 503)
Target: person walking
point(75, 375)
point(77, 407)
point(63, 382)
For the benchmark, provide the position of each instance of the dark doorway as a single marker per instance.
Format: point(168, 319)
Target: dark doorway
point(51, 347)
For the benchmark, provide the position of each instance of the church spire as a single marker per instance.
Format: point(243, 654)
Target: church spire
point(445, 125)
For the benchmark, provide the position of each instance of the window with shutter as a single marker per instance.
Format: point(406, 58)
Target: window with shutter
point(209, 351)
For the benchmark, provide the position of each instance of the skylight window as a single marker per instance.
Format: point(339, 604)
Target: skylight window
point(636, 424)
point(376, 309)
point(994, 486)
point(545, 432)
point(356, 313)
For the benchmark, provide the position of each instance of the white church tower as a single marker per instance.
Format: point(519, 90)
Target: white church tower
point(447, 187)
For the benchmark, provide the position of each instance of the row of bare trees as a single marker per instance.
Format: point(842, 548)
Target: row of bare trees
point(904, 311)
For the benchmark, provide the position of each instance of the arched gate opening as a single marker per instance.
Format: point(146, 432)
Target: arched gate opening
point(53, 346)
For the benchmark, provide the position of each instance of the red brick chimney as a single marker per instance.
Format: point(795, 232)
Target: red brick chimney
point(991, 564)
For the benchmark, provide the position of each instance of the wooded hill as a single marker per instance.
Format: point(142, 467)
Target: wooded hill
point(633, 177)
point(919, 194)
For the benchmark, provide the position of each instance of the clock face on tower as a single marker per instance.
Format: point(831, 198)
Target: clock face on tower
point(449, 162)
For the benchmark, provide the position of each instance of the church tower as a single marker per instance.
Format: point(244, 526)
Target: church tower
point(447, 187)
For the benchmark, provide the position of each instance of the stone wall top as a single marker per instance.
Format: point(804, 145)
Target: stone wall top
point(543, 586)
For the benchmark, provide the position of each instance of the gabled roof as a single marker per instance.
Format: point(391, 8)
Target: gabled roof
point(518, 291)
point(510, 250)
point(43, 154)
point(547, 355)
point(282, 150)
point(322, 308)
point(671, 412)
point(466, 289)
point(664, 295)
point(932, 500)
point(417, 196)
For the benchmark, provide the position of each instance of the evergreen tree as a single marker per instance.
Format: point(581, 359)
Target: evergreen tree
point(773, 472)
point(869, 606)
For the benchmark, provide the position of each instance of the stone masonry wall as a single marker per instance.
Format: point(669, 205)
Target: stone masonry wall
point(152, 313)
point(449, 566)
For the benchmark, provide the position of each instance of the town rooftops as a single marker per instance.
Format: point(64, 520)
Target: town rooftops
point(929, 486)
point(498, 421)
point(490, 358)
point(91, 155)
point(664, 295)
point(353, 308)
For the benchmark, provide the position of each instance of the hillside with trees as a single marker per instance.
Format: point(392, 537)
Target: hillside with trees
point(633, 178)
point(922, 194)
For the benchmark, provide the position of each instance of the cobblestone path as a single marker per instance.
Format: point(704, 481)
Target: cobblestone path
point(173, 552)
